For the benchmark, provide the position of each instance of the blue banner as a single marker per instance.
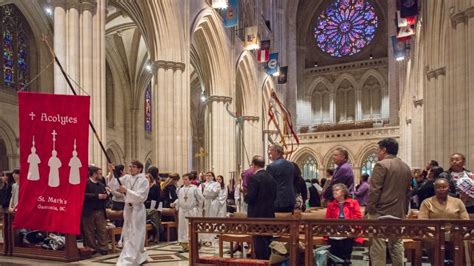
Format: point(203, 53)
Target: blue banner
point(272, 64)
point(231, 14)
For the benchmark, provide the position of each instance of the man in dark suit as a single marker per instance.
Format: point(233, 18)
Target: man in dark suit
point(283, 172)
point(261, 194)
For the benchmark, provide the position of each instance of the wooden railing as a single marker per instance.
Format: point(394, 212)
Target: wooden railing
point(243, 226)
point(426, 230)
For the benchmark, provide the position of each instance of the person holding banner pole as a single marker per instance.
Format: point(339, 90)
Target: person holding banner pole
point(135, 189)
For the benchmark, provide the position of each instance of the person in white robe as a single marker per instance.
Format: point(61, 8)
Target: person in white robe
point(210, 190)
point(220, 204)
point(135, 189)
point(189, 199)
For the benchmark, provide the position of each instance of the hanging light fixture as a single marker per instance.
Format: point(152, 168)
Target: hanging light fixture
point(219, 4)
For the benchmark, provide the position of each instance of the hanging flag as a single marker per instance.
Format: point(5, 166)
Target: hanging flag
point(53, 161)
point(272, 64)
point(283, 77)
point(408, 8)
point(404, 22)
point(231, 14)
point(251, 38)
point(263, 56)
point(405, 33)
point(265, 45)
point(398, 49)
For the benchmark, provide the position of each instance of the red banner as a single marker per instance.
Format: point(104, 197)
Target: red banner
point(54, 139)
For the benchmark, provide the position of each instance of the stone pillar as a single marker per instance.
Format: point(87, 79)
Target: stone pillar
point(393, 85)
point(73, 41)
point(60, 85)
point(332, 107)
point(79, 43)
point(172, 118)
point(98, 82)
point(221, 136)
point(358, 105)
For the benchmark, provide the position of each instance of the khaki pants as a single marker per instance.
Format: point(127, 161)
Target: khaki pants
point(95, 231)
point(378, 250)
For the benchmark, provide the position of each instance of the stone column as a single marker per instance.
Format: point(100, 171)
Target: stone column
point(358, 105)
point(98, 83)
point(79, 43)
point(393, 84)
point(60, 85)
point(221, 135)
point(172, 118)
point(73, 41)
point(332, 107)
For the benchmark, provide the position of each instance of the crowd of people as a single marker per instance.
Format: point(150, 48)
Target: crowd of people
point(263, 190)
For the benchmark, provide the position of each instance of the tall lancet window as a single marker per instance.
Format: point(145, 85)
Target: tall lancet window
point(148, 106)
point(368, 164)
point(310, 168)
point(14, 46)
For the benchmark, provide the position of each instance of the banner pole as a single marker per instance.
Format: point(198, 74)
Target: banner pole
point(75, 93)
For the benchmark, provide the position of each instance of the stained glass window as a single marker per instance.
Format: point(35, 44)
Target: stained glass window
point(310, 168)
point(345, 27)
point(368, 164)
point(14, 46)
point(148, 124)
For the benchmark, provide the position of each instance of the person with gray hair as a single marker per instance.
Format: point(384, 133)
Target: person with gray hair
point(261, 194)
point(283, 172)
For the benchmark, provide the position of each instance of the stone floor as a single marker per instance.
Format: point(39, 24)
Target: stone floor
point(162, 254)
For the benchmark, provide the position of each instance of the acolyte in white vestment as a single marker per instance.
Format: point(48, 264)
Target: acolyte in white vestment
point(134, 226)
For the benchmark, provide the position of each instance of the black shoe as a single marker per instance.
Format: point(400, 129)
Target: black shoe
point(103, 252)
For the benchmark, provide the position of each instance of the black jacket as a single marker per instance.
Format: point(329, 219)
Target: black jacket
point(314, 197)
point(283, 172)
point(261, 194)
point(91, 199)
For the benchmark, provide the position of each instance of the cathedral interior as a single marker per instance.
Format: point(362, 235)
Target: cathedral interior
point(174, 85)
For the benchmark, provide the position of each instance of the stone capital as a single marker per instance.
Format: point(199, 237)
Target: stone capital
point(250, 118)
point(75, 4)
point(435, 73)
point(216, 98)
point(162, 64)
point(417, 102)
point(88, 4)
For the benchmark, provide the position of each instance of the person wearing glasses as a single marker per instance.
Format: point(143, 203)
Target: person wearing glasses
point(134, 187)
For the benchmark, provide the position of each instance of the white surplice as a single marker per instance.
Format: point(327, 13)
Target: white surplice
point(220, 204)
point(187, 204)
point(134, 226)
point(210, 193)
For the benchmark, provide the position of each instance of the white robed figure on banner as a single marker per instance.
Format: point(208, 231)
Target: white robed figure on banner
point(33, 161)
point(135, 186)
point(54, 164)
point(189, 199)
point(74, 164)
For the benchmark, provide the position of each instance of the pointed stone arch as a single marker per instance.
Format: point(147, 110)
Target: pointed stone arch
point(304, 152)
point(246, 77)
point(7, 134)
point(363, 152)
point(210, 53)
point(116, 151)
point(345, 76)
point(314, 84)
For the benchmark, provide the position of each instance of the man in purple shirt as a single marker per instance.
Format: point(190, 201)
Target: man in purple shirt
point(343, 173)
